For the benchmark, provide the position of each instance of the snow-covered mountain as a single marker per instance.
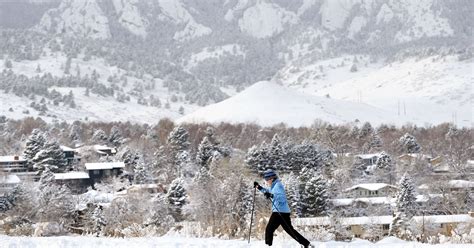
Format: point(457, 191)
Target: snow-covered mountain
point(410, 60)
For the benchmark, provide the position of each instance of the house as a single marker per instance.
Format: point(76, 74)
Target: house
point(413, 158)
point(433, 225)
point(376, 227)
point(105, 150)
point(70, 155)
point(371, 190)
point(8, 182)
point(97, 171)
point(453, 186)
point(150, 188)
point(77, 181)
point(13, 164)
point(367, 159)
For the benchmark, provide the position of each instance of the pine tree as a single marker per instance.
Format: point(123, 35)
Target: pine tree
point(51, 156)
point(115, 137)
point(141, 173)
point(205, 153)
point(177, 198)
point(257, 158)
point(99, 135)
point(409, 144)
point(34, 144)
point(178, 139)
point(405, 202)
point(315, 198)
point(276, 154)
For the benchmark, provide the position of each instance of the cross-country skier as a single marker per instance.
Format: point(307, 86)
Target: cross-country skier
point(280, 209)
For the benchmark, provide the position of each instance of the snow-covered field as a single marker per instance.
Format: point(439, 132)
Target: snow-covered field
point(172, 241)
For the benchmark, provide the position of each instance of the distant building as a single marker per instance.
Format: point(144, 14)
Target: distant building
point(97, 171)
point(376, 227)
point(8, 182)
point(13, 164)
point(105, 150)
point(371, 190)
point(78, 181)
point(367, 159)
point(70, 155)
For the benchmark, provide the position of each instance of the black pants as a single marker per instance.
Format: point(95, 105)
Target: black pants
point(282, 219)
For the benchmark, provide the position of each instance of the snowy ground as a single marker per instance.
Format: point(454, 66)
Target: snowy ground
point(172, 241)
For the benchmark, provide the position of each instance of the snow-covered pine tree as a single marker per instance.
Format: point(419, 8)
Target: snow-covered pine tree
point(276, 154)
point(115, 137)
point(99, 136)
point(178, 139)
point(405, 202)
point(34, 144)
point(384, 161)
point(177, 198)
point(257, 158)
point(293, 192)
point(409, 144)
point(205, 153)
point(142, 173)
point(52, 156)
point(315, 199)
point(54, 201)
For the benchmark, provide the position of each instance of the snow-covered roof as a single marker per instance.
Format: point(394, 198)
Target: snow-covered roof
point(438, 219)
point(71, 175)
point(370, 200)
point(461, 184)
point(104, 166)
point(315, 221)
point(380, 220)
point(367, 156)
point(370, 186)
point(10, 179)
point(12, 159)
point(66, 149)
point(99, 148)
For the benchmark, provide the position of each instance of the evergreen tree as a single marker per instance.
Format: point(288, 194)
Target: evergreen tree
point(384, 161)
point(99, 135)
point(409, 144)
point(177, 198)
point(34, 144)
point(51, 156)
point(115, 137)
point(315, 199)
point(257, 158)
point(178, 139)
point(405, 202)
point(141, 173)
point(205, 153)
point(276, 154)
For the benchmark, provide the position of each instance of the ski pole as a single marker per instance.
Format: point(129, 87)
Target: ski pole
point(251, 216)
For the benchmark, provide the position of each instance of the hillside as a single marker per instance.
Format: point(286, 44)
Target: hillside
point(411, 60)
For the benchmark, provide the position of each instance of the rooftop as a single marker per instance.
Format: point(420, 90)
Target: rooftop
point(104, 166)
point(370, 186)
point(71, 175)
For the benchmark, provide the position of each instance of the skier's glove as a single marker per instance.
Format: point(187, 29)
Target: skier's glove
point(256, 185)
point(268, 195)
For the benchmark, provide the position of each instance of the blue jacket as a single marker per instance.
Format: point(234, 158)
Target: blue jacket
point(280, 203)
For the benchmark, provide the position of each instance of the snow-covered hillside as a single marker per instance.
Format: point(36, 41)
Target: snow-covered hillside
point(93, 107)
point(432, 90)
point(267, 104)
